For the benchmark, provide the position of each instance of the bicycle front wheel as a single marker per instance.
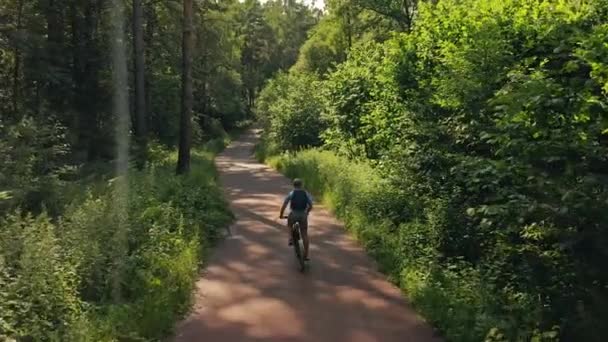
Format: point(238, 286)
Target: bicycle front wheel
point(298, 245)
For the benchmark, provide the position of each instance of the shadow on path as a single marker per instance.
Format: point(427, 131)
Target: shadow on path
point(252, 291)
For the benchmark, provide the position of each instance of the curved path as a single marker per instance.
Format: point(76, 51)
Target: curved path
point(252, 291)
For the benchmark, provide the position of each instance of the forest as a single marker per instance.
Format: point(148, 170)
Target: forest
point(89, 252)
point(464, 143)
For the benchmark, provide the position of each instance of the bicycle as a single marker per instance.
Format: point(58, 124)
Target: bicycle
point(298, 244)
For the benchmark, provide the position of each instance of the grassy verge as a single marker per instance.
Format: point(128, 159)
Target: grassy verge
point(106, 272)
point(403, 235)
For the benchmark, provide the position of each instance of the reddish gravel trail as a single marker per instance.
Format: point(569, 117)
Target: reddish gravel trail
point(252, 291)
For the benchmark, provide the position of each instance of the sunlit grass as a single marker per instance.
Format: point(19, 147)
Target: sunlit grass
point(452, 296)
point(171, 224)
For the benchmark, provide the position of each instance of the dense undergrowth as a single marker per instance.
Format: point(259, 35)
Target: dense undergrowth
point(104, 271)
point(404, 236)
point(470, 155)
point(85, 256)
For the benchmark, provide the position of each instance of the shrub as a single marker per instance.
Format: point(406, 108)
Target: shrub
point(39, 283)
point(290, 108)
point(486, 125)
point(419, 245)
point(31, 165)
point(104, 271)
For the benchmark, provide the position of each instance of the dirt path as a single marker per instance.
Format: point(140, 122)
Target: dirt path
point(252, 291)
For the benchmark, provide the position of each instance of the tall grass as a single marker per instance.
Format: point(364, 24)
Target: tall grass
point(404, 235)
point(56, 275)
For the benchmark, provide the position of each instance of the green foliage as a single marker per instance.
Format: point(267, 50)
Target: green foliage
point(55, 62)
point(73, 277)
point(332, 38)
point(363, 106)
point(40, 285)
point(88, 257)
point(291, 22)
point(407, 239)
point(271, 34)
point(514, 140)
point(323, 49)
point(32, 157)
point(290, 106)
point(487, 125)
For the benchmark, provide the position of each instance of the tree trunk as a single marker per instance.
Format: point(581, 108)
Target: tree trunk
point(140, 95)
point(151, 24)
point(252, 94)
point(54, 91)
point(85, 17)
point(17, 70)
point(409, 9)
point(77, 67)
point(185, 134)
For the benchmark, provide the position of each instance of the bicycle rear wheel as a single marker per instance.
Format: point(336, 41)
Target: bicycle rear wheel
point(298, 246)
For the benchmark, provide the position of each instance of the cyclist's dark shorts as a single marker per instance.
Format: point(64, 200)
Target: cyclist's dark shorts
point(300, 217)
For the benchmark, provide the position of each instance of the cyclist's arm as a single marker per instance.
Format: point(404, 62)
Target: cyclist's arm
point(309, 202)
point(285, 203)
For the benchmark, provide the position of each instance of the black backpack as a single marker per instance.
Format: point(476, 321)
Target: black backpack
point(299, 200)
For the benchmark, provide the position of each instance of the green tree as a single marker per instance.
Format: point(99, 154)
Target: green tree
point(290, 106)
point(140, 80)
point(185, 131)
point(488, 122)
point(259, 41)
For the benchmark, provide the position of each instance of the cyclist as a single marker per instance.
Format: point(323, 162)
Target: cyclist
point(300, 204)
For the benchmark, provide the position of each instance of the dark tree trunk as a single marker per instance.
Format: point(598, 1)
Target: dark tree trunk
point(86, 74)
point(77, 68)
point(349, 28)
point(151, 24)
point(251, 102)
point(55, 90)
point(140, 95)
point(185, 134)
point(408, 7)
point(17, 69)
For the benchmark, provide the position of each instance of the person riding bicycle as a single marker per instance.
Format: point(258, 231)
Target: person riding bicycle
point(300, 204)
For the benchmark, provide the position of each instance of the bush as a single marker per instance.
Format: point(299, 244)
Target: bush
point(106, 272)
point(486, 126)
point(32, 162)
point(290, 109)
point(40, 284)
point(325, 47)
point(414, 241)
point(363, 109)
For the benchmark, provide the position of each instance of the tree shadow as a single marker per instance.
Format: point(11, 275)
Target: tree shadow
point(252, 290)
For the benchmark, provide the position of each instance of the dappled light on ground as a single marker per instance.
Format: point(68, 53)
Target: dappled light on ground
point(252, 291)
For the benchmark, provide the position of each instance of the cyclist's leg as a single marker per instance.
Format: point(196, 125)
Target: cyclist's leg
point(290, 222)
point(304, 230)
